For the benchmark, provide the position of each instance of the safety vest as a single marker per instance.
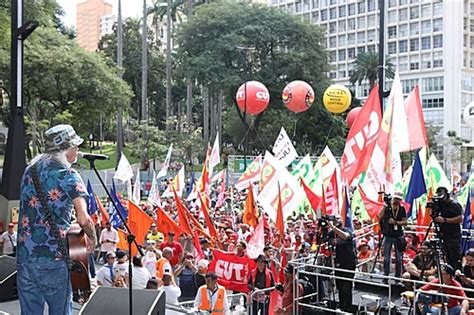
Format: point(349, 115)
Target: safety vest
point(206, 303)
point(160, 267)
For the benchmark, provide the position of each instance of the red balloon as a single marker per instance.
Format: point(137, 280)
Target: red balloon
point(258, 97)
point(298, 96)
point(352, 115)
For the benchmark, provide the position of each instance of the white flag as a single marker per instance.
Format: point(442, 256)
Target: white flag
point(166, 164)
point(154, 194)
point(136, 194)
point(400, 137)
point(215, 155)
point(177, 183)
point(124, 170)
point(284, 149)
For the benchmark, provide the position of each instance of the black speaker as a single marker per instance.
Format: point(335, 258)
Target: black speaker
point(8, 278)
point(115, 301)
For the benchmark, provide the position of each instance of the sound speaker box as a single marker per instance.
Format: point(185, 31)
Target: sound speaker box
point(8, 289)
point(115, 301)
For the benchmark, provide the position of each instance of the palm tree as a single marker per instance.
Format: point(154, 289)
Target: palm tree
point(366, 67)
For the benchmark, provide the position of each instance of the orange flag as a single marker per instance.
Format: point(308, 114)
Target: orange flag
point(103, 213)
point(122, 243)
point(250, 214)
point(280, 226)
point(165, 224)
point(139, 223)
point(210, 225)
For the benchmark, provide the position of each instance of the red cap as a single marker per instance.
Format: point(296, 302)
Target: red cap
point(11, 225)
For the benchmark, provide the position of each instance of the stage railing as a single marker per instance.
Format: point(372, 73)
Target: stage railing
point(252, 294)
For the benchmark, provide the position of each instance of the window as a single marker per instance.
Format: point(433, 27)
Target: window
point(425, 43)
point(437, 60)
point(426, 61)
point(426, 27)
point(437, 8)
point(351, 9)
point(370, 5)
point(402, 46)
point(371, 20)
point(471, 27)
point(351, 39)
point(392, 3)
point(371, 48)
point(342, 40)
point(361, 22)
point(332, 56)
point(403, 64)
point(392, 48)
point(414, 28)
point(437, 41)
point(371, 36)
point(342, 55)
point(403, 30)
point(471, 42)
point(361, 38)
point(351, 24)
point(392, 32)
point(324, 15)
point(433, 103)
point(332, 27)
point(402, 2)
point(414, 1)
point(342, 11)
point(361, 7)
point(351, 53)
point(392, 17)
point(432, 84)
point(403, 14)
point(414, 65)
point(425, 10)
point(342, 26)
point(438, 25)
point(414, 12)
point(408, 85)
point(360, 50)
point(332, 42)
point(414, 44)
point(332, 13)
point(332, 75)
point(315, 16)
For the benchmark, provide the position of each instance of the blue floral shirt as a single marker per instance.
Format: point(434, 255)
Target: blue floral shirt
point(61, 185)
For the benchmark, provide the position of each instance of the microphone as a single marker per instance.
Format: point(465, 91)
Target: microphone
point(92, 156)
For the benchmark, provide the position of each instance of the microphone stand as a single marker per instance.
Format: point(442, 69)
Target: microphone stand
point(130, 237)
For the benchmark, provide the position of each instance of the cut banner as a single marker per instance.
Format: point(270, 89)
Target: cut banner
point(232, 271)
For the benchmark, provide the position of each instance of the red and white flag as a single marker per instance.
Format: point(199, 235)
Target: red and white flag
point(415, 120)
point(251, 175)
point(362, 137)
point(215, 157)
point(331, 197)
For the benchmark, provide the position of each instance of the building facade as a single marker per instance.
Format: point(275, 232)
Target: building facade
point(93, 19)
point(430, 42)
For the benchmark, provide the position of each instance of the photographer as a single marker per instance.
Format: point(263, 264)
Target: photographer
point(345, 258)
point(448, 214)
point(392, 219)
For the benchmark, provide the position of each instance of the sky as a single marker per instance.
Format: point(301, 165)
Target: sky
point(130, 8)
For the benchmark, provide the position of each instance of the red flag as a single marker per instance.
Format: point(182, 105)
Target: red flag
point(419, 221)
point(313, 199)
point(104, 216)
point(280, 225)
point(276, 298)
point(197, 245)
point(283, 264)
point(139, 223)
point(122, 243)
point(372, 207)
point(415, 120)
point(207, 219)
point(183, 218)
point(165, 224)
point(250, 214)
point(362, 138)
point(232, 271)
point(331, 197)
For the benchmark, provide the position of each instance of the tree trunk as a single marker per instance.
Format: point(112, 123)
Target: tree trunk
point(189, 103)
point(119, 137)
point(144, 64)
point(205, 112)
point(168, 63)
point(212, 100)
point(219, 115)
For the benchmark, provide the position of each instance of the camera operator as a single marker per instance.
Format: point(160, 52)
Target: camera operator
point(449, 217)
point(392, 218)
point(345, 258)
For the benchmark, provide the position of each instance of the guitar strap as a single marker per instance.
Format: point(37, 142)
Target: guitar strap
point(62, 242)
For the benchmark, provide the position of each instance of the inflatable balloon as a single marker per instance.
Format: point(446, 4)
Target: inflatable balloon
point(352, 115)
point(257, 100)
point(468, 115)
point(298, 96)
point(337, 98)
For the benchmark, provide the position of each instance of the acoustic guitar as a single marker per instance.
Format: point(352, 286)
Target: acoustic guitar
point(81, 286)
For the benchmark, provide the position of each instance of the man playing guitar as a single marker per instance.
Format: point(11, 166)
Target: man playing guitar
point(50, 190)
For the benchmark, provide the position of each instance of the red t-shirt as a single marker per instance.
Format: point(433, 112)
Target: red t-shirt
point(451, 302)
point(177, 250)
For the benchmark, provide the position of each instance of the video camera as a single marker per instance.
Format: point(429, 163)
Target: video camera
point(435, 206)
point(323, 221)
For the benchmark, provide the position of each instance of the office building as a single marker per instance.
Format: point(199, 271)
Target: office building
point(93, 19)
